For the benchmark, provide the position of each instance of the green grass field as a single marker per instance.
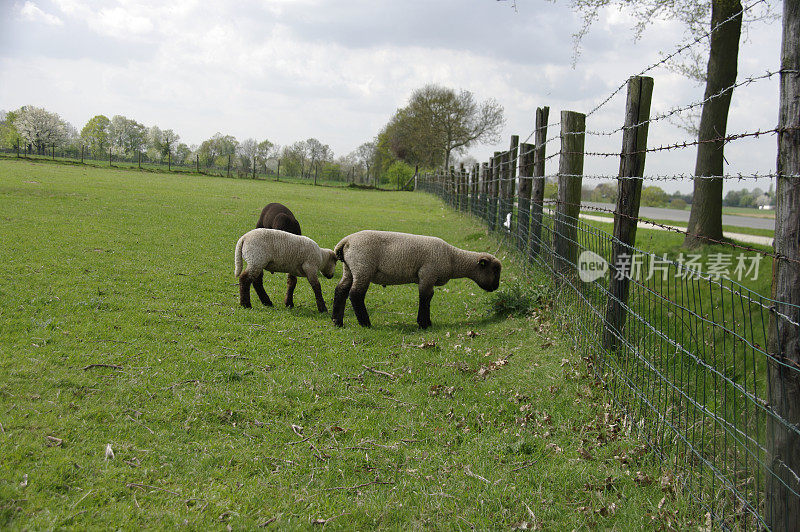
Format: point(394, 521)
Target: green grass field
point(121, 332)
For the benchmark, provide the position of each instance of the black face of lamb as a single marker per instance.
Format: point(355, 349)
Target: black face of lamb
point(488, 277)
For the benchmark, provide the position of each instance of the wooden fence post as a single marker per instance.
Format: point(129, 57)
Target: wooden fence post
point(510, 183)
point(629, 193)
point(537, 188)
point(254, 170)
point(570, 170)
point(138, 158)
point(502, 191)
point(473, 194)
point(278, 174)
point(483, 186)
point(109, 156)
point(494, 179)
point(169, 161)
point(783, 373)
point(524, 208)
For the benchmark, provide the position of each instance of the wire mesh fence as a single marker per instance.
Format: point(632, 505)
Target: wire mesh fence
point(687, 361)
point(704, 367)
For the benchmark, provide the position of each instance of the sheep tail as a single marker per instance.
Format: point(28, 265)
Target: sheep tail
point(339, 249)
point(237, 258)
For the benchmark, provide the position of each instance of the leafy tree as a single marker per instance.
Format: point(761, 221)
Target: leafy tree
point(439, 121)
point(677, 203)
point(169, 139)
point(217, 149)
point(604, 193)
point(95, 135)
point(654, 197)
point(724, 18)
point(364, 159)
point(294, 159)
point(40, 128)
point(318, 154)
point(127, 136)
point(398, 174)
point(9, 136)
point(182, 154)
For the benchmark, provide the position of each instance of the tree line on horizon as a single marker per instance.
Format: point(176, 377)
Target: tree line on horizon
point(36, 130)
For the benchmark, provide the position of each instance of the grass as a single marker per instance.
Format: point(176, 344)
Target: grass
point(749, 211)
point(121, 331)
point(683, 226)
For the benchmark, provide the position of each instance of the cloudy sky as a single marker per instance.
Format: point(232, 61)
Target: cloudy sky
point(287, 70)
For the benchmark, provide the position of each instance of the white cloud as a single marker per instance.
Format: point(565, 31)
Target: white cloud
point(31, 12)
point(119, 22)
point(287, 70)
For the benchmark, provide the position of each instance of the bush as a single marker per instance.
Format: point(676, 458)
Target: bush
point(519, 298)
point(677, 203)
point(398, 174)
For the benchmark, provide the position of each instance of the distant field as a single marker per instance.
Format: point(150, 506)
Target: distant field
point(747, 211)
point(121, 331)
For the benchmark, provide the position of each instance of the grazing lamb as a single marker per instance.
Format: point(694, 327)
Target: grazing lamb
point(278, 251)
point(278, 216)
point(398, 258)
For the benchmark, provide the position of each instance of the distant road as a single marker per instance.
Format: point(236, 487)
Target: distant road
point(658, 213)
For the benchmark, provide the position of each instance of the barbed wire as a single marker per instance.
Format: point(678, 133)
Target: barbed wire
point(682, 48)
point(665, 177)
point(678, 51)
point(672, 228)
point(676, 110)
point(687, 143)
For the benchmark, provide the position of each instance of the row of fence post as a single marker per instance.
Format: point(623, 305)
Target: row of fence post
point(488, 190)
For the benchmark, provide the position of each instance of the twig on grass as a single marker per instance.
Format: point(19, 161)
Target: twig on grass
point(143, 486)
point(379, 372)
point(269, 521)
point(112, 366)
point(470, 524)
point(359, 486)
point(324, 522)
point(191, 381)
point(140, 423)
point(469, 473)
point(526, 464)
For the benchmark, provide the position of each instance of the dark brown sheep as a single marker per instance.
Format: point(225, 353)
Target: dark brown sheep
point(278, 216)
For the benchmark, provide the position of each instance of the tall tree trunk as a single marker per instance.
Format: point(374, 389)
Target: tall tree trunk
point(705, 220)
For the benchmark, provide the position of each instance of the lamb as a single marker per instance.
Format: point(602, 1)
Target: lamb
point(278, 216)
point(278, 251)
point(399, 258)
